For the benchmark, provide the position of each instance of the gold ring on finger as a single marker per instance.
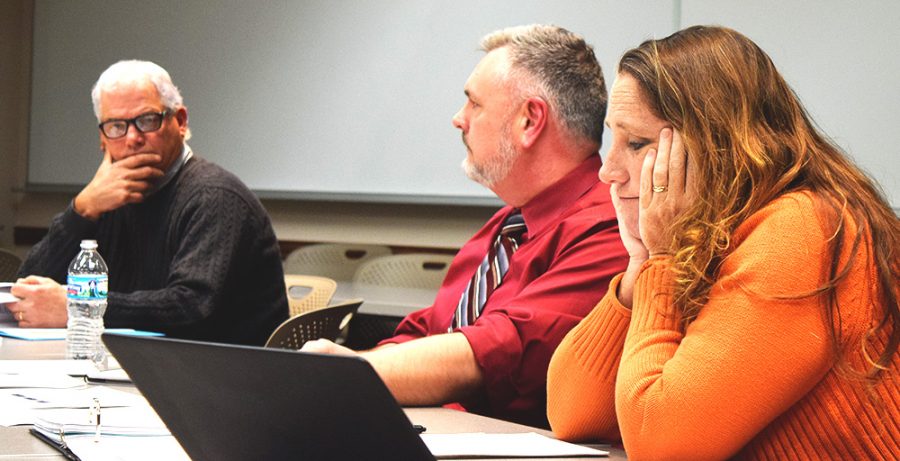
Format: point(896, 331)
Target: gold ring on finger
point(660, 188)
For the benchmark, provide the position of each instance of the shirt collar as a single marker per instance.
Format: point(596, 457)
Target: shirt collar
point(547, 206)
point(186, 154)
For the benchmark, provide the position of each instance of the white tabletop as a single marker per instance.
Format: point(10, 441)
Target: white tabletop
point(17, 443)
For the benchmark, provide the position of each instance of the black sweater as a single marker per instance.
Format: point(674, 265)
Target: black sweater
point(198, 259)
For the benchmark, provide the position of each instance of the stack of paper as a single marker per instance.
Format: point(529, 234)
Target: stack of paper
point(116, 375)
point(54, 374)
point(121, 448)
point(45, 367)
point(5, 296)
point(55, 381)
point(21, 406)
point(127, 421)
point(133, 433)
point(63, 411)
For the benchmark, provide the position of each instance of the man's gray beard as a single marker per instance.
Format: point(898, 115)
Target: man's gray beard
point(497, 168)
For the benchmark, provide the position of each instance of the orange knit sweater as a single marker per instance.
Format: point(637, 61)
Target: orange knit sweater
point(753, 376)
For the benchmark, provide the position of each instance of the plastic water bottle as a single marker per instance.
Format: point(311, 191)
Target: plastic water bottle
point(86, 303)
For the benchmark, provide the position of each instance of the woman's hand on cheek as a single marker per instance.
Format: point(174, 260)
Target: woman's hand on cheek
point(664, 193)
point(627, 232)
point(637, 252)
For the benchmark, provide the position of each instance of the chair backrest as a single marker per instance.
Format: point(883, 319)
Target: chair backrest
point(308, 292)
point(337, 261)
point(9, 266)
point(414, 270)
point(365, 331)
point(323, 323)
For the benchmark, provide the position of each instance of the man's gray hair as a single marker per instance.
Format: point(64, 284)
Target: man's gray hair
point(134, 71)
point(558, 66)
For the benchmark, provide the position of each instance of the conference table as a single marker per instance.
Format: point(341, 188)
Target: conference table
point(17, 443)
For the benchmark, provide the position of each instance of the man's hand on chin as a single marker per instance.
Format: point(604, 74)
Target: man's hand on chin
point(117, 183)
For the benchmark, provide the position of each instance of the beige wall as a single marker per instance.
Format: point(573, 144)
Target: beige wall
point(400, 225)
point(15, 64)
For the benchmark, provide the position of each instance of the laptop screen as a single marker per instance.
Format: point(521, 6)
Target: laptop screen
point(226, 402)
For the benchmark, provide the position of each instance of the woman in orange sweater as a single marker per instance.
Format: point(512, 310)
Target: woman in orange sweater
point(759, 314)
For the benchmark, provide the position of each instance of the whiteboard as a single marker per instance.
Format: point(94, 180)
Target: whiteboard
point(352, 99)
point(840, 58)
point(316, 99)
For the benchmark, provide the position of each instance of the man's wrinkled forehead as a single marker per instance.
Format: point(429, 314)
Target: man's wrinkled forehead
point(129, 96)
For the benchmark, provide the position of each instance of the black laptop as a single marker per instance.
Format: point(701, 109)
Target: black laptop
point(225, 402)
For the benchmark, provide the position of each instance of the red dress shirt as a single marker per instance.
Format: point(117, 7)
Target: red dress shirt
point(562, 268)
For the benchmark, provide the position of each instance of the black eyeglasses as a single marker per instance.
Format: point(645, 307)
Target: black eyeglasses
point(145, 123)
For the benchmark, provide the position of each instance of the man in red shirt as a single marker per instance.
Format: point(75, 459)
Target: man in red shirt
point(532, 125)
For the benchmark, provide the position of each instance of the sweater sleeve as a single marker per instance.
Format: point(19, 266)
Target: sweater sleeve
point(582, 373)
point(755, 348)
point(51, 256)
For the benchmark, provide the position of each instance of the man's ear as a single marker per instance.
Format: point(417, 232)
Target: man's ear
point(181, 117)
point(533, 118)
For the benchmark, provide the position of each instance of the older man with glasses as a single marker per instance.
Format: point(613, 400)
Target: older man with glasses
point(191, 251)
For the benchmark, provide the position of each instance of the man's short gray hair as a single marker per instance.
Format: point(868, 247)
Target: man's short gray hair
point(135, 71)
point(560, 67)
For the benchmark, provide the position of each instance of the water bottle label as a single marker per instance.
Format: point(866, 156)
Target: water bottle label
point(87, 287)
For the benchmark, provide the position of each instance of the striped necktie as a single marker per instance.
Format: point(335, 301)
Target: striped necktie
point(490, 273)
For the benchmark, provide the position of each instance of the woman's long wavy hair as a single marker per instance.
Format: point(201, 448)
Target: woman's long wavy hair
point(757, 143)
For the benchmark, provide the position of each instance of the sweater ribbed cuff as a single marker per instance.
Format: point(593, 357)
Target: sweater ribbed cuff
point(604, 328)
point(653, 297)
point(77, 224)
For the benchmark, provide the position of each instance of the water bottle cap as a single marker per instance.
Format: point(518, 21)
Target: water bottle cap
point(88, 244)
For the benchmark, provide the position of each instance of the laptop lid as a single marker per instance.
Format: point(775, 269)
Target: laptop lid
point(228, 402)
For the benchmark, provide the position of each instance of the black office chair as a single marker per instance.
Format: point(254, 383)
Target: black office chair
point(322, 323)
point(367, 330)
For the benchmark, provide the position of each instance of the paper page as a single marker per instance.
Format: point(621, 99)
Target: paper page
point(139, 421)
point(5, 296)
point(17, 416)
point(108, 376)
point(45, 380)
point(43, 367)
point(112, 448)
point(19, 405)
point(72, 398)
point(521, 445)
